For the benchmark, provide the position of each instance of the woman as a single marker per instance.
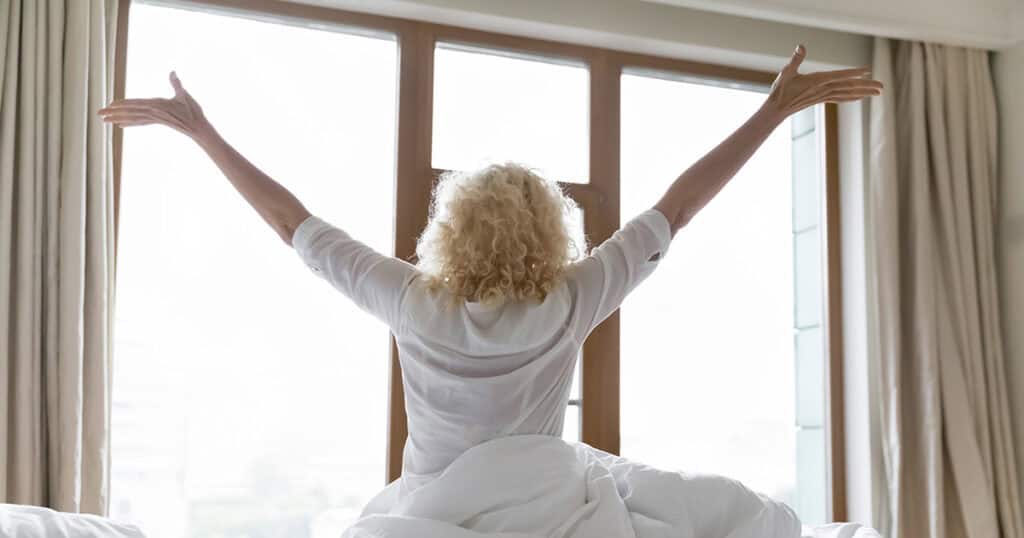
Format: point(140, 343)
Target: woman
point(490, 322)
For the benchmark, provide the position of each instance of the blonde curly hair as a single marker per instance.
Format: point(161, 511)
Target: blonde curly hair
point(501, 233)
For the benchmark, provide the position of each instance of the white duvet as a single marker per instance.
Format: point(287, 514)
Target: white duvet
point(529, 486)
point(20, 521)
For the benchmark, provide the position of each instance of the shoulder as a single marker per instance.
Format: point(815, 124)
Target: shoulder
point(644, 238)
point(424, 304)
point(650, 228)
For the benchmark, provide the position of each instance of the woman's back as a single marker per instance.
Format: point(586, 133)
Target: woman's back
point(473, 372)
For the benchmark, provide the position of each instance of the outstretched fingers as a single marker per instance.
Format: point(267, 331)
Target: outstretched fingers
point(851, 82)
point(813, 94)
point(156, 110)
point(841, 95)
point(838, 74)
point(115, 114)
point(133, 102)
point(126, 119)
point(844, 98)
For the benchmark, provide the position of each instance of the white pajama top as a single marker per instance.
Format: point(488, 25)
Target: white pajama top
point(475, 372)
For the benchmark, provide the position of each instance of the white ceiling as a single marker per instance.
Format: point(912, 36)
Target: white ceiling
point(991, 24)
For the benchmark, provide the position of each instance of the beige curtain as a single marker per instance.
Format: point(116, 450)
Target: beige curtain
point(56, 252)
point(947, 445)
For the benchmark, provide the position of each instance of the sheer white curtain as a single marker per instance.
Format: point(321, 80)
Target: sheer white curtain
point(56, 252)
point(947, 445)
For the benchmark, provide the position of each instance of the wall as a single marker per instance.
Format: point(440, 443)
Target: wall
point(638, 26)
point(1009, 75)
point(974, 23)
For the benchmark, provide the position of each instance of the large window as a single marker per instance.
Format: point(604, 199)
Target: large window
point(250, 399)
point(490, 106)
point(709, 367)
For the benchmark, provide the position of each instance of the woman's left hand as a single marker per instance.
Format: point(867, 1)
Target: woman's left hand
point(181, 112)
point(792, 92)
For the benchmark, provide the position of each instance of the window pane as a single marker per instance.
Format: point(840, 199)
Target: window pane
point(571, 429)
point(573, 413)
point(239, 375)
point(806, 179)
point(803, 121)
point(811, 482)
point(812, 492)
point(577, 378)
point(807, 246)
point(810, 378)
point(492, 107)
point(577, 231)
point(707, 367)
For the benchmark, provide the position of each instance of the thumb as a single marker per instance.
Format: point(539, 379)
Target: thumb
point(178, 89)
point(796, 59)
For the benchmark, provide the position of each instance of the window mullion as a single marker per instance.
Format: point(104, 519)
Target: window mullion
point(600, 383)
point(414, 179)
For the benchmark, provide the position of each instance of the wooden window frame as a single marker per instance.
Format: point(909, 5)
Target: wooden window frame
point(599, 198)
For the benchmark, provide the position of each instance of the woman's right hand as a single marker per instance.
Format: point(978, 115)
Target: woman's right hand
point(180, 112)
point(793, 91)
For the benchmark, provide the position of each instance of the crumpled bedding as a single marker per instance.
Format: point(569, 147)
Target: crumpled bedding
point(532, 486)
point(526, 486)
point(33, 521)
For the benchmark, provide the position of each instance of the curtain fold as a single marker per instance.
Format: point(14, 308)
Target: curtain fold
point(56, 252)
point(932, 200)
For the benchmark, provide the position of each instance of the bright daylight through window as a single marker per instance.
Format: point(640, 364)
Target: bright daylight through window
point(492, 108)
point(248, 394)
point(709, 371)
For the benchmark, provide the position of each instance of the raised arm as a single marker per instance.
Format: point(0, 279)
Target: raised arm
point(790, 93)
point(278, 207)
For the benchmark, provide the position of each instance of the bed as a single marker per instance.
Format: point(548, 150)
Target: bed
point(33, 521)
point(527, 486)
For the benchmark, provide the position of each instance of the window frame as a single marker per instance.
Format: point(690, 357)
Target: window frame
point(599, 199)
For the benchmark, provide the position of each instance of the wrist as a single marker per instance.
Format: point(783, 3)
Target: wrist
point(205, 135)
point(770, 113)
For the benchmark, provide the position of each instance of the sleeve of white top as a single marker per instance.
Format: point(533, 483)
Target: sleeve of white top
point(605, 277)
point(375, 282)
